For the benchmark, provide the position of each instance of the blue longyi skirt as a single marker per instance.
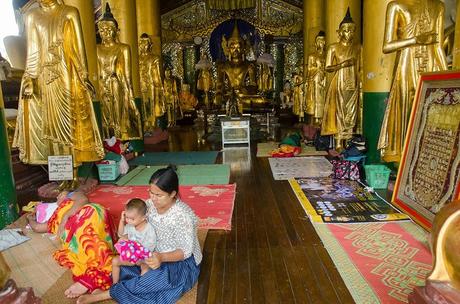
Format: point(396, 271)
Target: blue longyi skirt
point(164, 285)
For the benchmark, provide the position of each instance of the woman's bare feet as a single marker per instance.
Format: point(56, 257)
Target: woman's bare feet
point(75, 290)
point(94, 297)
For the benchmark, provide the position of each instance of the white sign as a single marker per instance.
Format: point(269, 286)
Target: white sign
point(60, 168)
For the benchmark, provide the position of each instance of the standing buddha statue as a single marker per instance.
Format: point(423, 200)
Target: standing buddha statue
point(265, 79)
point(236, 71)
point(413, 29)
point(171, 98)
point(151, 83)
point(298, 100)
point(204, 82)
point(55, 113)
point(120, 117)
point(343, 60)
point(316, 80)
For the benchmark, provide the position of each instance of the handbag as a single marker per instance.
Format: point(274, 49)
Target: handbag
point(345, 169)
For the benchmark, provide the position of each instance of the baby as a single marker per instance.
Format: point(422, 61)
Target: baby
point(134, 227)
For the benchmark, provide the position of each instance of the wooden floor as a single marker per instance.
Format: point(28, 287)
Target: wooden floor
point(272, 254)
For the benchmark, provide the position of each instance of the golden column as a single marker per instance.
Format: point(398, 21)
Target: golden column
point(86, 10)
point(124, 12)
point(313, 22)
point(377, 73)
point(149, 22)
point(456, 50)
point(335, 11)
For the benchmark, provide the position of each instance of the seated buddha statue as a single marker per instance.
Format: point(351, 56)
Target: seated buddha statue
point(236, 77)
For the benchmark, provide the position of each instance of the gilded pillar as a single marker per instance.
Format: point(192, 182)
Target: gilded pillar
point(335, 11)
point(456, 50)
point(8, 199)
point(86, 10)
point(124, 12)
point(313, 22)
point(377, 73)
point(149, 21)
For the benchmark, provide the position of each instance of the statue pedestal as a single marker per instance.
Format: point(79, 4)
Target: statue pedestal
point(435, 293)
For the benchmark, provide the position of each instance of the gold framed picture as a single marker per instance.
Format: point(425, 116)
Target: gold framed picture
point(428, 176)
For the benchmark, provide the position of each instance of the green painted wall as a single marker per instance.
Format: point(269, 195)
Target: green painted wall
point(373, 110)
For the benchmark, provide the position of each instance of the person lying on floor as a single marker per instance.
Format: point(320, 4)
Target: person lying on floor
point(175, 264)
point(86, 237)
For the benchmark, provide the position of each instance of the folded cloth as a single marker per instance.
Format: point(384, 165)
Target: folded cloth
point(10, 238)
point(286, 151)
point(132, 251)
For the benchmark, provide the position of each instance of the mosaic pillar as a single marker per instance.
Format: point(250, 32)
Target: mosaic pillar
point(277, 51)
point(190, 59)
point(9, 209)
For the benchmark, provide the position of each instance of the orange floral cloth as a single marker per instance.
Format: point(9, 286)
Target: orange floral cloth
point(87, 246)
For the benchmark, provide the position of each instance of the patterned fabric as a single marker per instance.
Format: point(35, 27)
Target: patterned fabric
point(164, 285)
point(132, 251)
point(176, 229)
point(87, 247)
point(345, 169)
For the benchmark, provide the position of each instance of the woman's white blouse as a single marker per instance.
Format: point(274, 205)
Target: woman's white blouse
point(176, 229)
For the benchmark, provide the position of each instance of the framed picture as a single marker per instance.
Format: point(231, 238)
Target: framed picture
point(428, 176)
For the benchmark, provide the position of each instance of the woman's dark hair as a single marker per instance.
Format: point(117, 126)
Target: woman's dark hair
point(166, 179)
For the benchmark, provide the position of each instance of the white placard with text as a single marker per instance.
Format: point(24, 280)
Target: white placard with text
point(60, 167)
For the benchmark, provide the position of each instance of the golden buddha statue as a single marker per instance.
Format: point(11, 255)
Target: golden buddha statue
point(151, 83)
point(171, 98)
point(187, 101)
point(204, 82)
point(343, 60)
point(238, 74)
point(55, 113)
point(443, 283)
point(298, 100)
point(316, 80)
point(120, 117)
point(265, 79)
point(414, 29)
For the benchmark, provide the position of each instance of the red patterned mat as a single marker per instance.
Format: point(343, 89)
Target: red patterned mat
point(213, 204)
point(379, 262)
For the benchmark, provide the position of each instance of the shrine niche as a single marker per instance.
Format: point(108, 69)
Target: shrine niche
point(272, 28)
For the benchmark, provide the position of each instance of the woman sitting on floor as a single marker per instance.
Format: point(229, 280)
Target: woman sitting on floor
point(86, 236)
point(175, 265)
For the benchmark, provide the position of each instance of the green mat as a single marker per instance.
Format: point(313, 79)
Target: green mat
point(188, 175)
point(176, 158)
